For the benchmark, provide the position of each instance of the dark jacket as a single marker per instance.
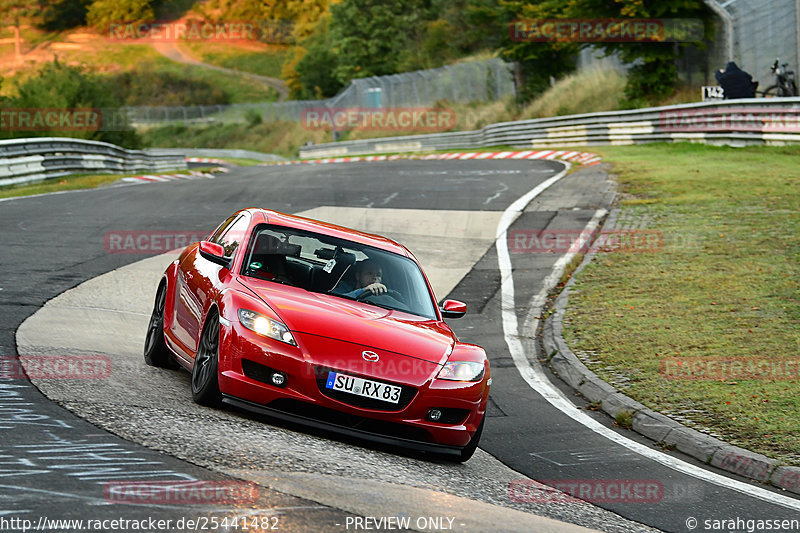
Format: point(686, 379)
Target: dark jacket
point(735, 82)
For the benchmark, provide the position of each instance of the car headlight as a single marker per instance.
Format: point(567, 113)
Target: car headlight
point(461, 371)
point(266, 326)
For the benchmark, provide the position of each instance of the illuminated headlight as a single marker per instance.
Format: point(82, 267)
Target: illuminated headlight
point(461, 371)
point(266, 326)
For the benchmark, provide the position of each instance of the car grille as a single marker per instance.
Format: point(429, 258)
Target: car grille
point(406, 394)
point(338, 418)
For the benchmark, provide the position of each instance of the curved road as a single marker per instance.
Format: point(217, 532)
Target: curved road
point(524, 431)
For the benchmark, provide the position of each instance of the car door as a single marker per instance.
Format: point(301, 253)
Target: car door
point(199, 281)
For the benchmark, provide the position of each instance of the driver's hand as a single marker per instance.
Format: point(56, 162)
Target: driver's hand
point(376, 288)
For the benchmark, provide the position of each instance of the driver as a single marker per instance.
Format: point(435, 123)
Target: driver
point(367, 276)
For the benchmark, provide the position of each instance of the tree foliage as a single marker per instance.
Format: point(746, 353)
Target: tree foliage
point(536, 61)
point(103, 13)
point(61, 87)
point(63, 14)
point(358, 38)
point(653, 75)
point(371, 36)
point(11, 11)
point(244, 10)
point(314, 70)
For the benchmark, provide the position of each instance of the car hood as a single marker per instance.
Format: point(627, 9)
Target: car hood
point(325, 315)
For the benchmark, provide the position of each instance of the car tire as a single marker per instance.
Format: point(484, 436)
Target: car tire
point(156, 352)
point(468, 450)
point(205, 380)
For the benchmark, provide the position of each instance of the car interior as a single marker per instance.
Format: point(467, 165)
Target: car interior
point(318, 264)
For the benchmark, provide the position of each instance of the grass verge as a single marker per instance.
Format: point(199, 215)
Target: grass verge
point(724, 285)
point(281, 138)
point(68, 183)
point(145, 77)
point(256, 58)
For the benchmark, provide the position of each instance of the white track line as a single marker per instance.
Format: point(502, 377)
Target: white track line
point(534, 376)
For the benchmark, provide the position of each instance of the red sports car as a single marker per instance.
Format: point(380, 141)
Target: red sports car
point(323, 325)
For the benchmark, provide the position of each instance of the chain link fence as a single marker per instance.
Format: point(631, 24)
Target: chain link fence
point(763, 30)
point(470, 81)
point(753, 33)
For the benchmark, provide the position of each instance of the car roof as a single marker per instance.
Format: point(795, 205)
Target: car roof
point(325, 228)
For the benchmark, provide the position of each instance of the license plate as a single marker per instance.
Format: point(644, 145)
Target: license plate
point(363, 387)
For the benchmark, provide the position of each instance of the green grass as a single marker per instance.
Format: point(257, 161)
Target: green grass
point(281, 138)
point(68, 183)
point(193, 84)
point(725, 284)
point(285, 138)
point(589, 91)
point(235, 89)
point(266, 62)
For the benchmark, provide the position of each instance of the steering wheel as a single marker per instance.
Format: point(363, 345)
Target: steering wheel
point(391, 293)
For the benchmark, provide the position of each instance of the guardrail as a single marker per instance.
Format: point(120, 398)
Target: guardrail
point(733, 122)
point(26, 160)
point(217, 152)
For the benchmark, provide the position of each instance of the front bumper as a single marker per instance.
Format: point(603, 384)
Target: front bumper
point(301, 399)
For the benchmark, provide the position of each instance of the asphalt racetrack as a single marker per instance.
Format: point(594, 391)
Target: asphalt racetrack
point(139, 424)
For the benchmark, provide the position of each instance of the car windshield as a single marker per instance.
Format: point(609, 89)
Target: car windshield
point(341, 268)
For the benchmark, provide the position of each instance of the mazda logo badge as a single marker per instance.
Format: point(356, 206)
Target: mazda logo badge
point(372, 357)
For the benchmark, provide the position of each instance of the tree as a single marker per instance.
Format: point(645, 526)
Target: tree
point(61, 87)
point(103, 13)
point(11, 13)
point(536, 61)
point(371, 36)
point(314, 70)
point(653, 75)
point(64, 14)
point(306, 17)
point(241, 10)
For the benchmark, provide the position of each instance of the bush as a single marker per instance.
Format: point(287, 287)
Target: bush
point(143, 86)
point(64, 14)
point(103, 13)
point(63, 87)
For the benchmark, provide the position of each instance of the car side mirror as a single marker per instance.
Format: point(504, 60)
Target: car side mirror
point(215, 253)
point(453, 309)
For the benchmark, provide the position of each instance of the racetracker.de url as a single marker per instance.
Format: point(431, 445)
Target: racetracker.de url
point(741, 525)
point(243, 523)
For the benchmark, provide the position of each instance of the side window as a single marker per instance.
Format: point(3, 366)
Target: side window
point(221, 229)
point(235, 235)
